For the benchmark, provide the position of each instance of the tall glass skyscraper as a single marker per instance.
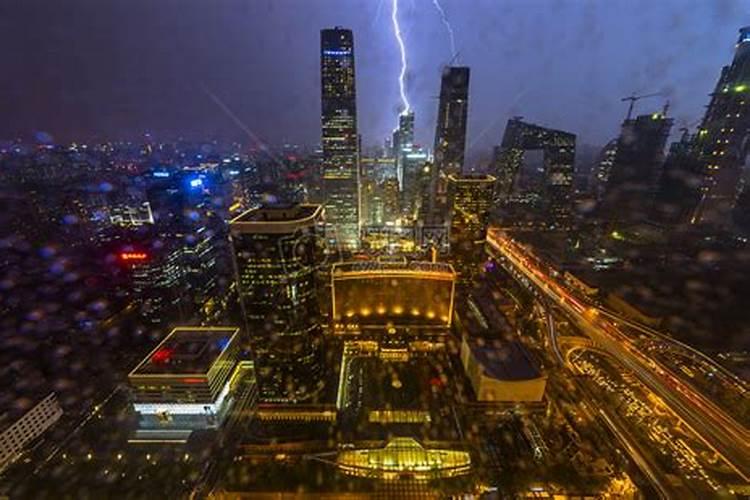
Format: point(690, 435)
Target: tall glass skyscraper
point(276, 254)
point(471, 199)
point(722, 137)
point(339, 139)
point(450, 133)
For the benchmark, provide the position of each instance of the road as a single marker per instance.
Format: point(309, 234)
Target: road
point(729, 439)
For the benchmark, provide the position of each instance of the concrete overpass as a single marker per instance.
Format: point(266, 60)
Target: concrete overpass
point(719, 431)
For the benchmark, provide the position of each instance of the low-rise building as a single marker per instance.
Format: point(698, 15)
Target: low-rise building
point(190, 381)
point(18, 429)
point(502, 372)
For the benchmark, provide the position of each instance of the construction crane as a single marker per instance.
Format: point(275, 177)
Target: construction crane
point(634, 98)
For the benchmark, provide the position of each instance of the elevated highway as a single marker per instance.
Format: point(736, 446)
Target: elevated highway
point(729, 439)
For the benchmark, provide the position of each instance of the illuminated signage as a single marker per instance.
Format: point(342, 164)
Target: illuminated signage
point(135, 256)
point(161, 174)
point(336, 52)
point(196, 183)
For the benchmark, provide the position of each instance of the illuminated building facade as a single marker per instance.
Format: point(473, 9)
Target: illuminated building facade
point(502, 373)
point(450, 132)
point(339, 138)
point(391, 200)
point(403, 139)
point(558, 148)
point(374, 294)
point(723, 137)
point(405, 457)
point(157, 280)
point(371, 198)
point(17, 433)
point(604, 167)
point(276, 255)
point(415, 185)
point(471, 199)
point(189, 381)
point(637, 164)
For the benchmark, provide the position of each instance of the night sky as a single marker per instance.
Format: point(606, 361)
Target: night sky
point(110, 69)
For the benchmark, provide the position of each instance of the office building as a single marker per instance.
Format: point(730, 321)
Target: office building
point(603, 168)
point(471, 199)
point(558, 158)
point(415, 185)
point(636, 168)
point(277, 252)
point(679, 193)
point(158, 280)
point(723, 137)
point(450, 133)
point(190, 381)
point(391, 200)
point(403, 139)
point(18, 429)
point(374, 294)
point(340, 169)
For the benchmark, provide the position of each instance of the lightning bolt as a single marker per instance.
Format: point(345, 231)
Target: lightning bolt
point(448, 26)
point(402, 48)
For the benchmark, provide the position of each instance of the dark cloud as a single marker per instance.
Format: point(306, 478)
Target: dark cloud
point(84, 69)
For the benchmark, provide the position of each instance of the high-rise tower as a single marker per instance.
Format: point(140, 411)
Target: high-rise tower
point(558, 149)
point(636, 168)
point(471, 199)
point(339, 138)
point(403, 139)
point(276, 256)
point(722, 137)
point(450, 132)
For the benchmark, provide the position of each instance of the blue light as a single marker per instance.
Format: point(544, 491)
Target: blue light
point(196, 183)
point(161, 174)
point(336, 52)
point(222, 343)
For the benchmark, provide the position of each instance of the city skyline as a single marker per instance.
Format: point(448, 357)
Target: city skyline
point(219, 318)
point(125, 87)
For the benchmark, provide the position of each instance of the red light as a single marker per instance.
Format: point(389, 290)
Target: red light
point(162, 355)
point(133, 256)
point(193, 381)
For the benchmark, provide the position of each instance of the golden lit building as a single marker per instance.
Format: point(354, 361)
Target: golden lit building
point(405, 457)
point(374, 293)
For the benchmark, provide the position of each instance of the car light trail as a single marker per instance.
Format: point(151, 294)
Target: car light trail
point(402, 49)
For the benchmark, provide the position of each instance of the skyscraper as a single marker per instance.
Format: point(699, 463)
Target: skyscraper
point(471, 197)
point(558, 149)
point(339, 138)
point(276, 256)
point(722, 137)
point(679, 192)
point(403, 139)
point(636, 168)
point(450, 132)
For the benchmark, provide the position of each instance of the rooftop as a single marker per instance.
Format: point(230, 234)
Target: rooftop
point(276, 218)
point(504, 360)
point(187, 351)
point(380, 266)
point(472, 178)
